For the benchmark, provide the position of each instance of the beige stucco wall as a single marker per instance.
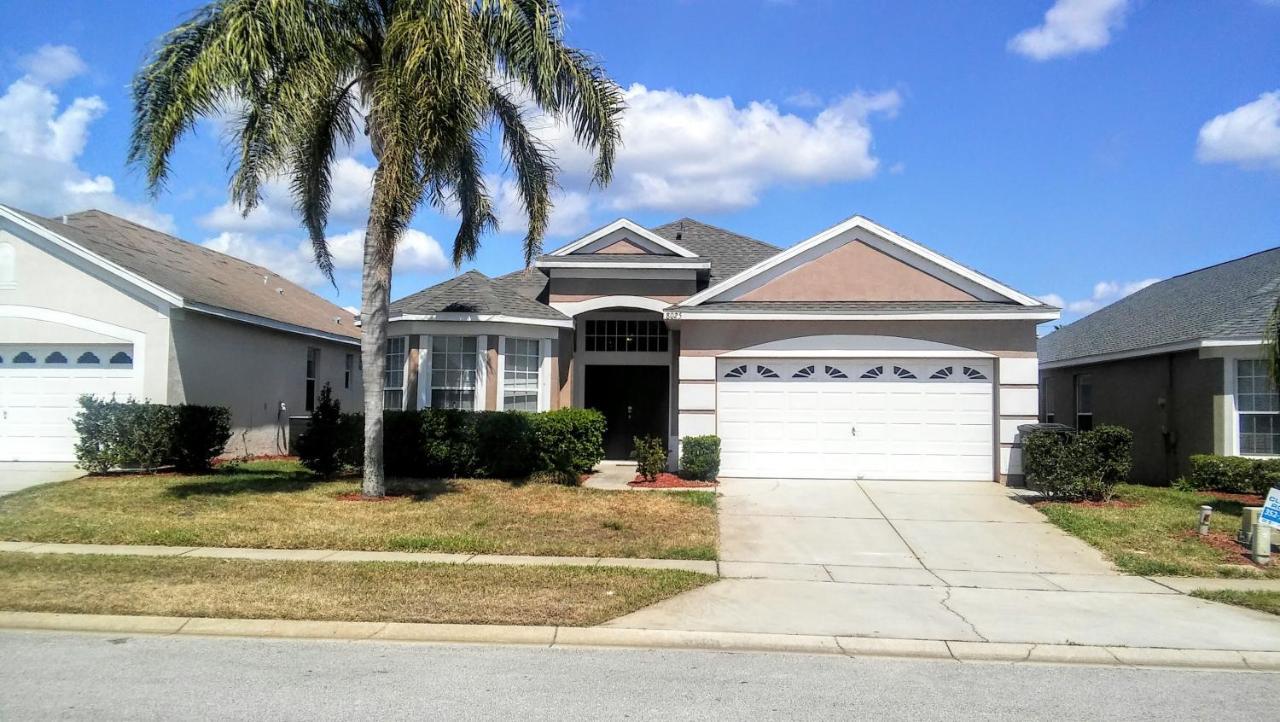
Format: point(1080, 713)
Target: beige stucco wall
point(856, 272)
point(252, 371)
point(566, 290)
point(48, 278)
point(1167, 401)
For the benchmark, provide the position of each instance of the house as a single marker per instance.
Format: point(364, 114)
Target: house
point(95, 304)
point(1181, 363)
point(855, 354)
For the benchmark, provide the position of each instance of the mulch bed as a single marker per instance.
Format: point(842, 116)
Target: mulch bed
point(1246, 499)
point(1236, 553)
point(670, 481)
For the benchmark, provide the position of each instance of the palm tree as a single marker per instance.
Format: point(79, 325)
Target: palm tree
point(425, 80)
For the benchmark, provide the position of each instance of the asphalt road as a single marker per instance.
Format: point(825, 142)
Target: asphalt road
point(101, 677)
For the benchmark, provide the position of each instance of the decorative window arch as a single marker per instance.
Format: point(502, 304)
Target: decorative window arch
point(121, 358)
point(88, 357)
point(57, 357)
point(766, 372)
point(24, 358)
point(902, 373)
point(874, 372)
point(803, 373)
point(736, 372)
point(942, 373)
point(974, 374)
point(835, 373)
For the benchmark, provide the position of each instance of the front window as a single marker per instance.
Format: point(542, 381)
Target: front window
point(1258, 407)
point(393, 375)
point(1084, 402)
point(625, 335)
point(1047, 405)
point(347, 370)
point(520, 374)
point(453, 372)
point(313, 361)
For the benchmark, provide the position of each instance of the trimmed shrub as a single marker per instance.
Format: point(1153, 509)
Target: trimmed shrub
point(1083, 465)
point(569, 441)
point(700, 457)
point(504, 444)
point(350, 440)
point(449, 443)
point(200, 434)
point(134, 435)
point(319, 447)
point(651, 457)
point(1232, 474)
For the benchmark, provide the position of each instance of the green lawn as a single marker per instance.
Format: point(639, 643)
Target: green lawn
point(1156, 535)
point(279, 505)
point(1263, 601)
point(373, 592)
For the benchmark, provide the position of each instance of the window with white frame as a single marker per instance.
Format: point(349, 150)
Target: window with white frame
point(521, 359)
point(393, 375)
point(453, 372)
point(1084, 402)
point(1258, 408)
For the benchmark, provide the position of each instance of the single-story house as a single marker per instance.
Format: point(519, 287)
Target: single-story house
point(854, 354)
point(1181, 363)
point(95, 304)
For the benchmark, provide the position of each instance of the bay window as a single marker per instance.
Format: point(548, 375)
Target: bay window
point(521, 359)
point(393, 375)
point(453, 372)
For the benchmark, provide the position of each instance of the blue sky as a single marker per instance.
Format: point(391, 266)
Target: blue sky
point(1073, 149)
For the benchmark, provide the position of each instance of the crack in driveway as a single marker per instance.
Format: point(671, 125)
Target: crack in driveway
point(946, 599)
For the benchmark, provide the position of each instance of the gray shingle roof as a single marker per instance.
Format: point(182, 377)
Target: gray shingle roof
point(730, 253)
point(474, 292)
point(1229, 300)
point(642, 259)
point(198, 274)
point(825, 307)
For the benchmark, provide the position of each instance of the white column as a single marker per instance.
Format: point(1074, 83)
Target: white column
point(544, 374)
point(482, 372)
point(501, 381)
point(424, 372)
point(1018, 402)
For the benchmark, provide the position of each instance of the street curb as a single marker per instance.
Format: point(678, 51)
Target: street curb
point(546, 636)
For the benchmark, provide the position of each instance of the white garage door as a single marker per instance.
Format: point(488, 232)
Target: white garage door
point(40, 388)
point(927, 419)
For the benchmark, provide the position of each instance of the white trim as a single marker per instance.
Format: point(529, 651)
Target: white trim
point(270, 323)
point(865, 224)
point(92, 258)
point(677, 315)
point(501, 403)
point(137, 338)
point(466, 328)
point(573, 308)
point(544, 374)
point(481, 318)
point(424, 370)
point(624, 224)
point(1203, 343)
point(482, 373)
point(660, 274)
point(632, 266)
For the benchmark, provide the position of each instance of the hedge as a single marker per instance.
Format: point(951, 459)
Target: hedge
point(1234, 474)
point(450, 443)
point(700, 457)
point(134, 435)
point(1078, 465)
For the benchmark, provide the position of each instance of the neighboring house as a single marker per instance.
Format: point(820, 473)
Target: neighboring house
point(854, 354)
point(95, 304)
point(1181, 363)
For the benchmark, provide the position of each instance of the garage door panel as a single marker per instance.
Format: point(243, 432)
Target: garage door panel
point(801, 423)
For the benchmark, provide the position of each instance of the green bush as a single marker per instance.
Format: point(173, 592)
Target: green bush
point(505, 444)
point(135, 435)
point(569, 441)
point(1233, 474)
point(1078, 465)
point(319, 447)
point(651, 457)
point(700, 457)
point(449, 438)
point(200, 434)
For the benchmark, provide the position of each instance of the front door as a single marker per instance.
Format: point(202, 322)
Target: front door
point(634, 401)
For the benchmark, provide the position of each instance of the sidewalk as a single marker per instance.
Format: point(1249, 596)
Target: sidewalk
point(333, 555)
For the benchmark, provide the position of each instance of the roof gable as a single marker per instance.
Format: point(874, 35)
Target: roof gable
point(856, 272)
point(866, 231)
point(474, 294)
point(627, 230)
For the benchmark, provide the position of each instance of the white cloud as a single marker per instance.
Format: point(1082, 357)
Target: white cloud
point(416, 250)
point(804, 99)
point(352, 188)
point(280, 256)
point(1104, 293)
point(690, 153)
point(1071, 27)
point(1248, 136)
point(53, 64)
point(41, 142)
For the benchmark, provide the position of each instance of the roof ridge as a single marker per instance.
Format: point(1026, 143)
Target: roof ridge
point(722, 229)
point(1219, 263)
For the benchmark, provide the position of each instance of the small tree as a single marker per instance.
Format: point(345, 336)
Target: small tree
point(651, 457)
point(319, 447)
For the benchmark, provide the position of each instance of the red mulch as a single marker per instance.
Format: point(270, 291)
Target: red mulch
point(1246, 499)
point(670, 481)
point(260, 457)
point(1236, 553)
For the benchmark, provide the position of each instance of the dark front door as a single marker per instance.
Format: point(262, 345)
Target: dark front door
point(634, 401)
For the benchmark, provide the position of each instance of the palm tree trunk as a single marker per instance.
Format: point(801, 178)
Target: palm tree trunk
point(375, 288)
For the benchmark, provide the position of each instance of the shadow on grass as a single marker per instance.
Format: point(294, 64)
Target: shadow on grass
point(421, 489)
point(243, 481)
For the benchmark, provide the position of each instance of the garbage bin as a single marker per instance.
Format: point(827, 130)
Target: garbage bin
point(1025, 429)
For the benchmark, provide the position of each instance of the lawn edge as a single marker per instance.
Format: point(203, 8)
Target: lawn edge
point(588, 637)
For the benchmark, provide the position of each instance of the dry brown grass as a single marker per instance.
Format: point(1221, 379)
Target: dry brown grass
point(381, 592)
point(280, 506)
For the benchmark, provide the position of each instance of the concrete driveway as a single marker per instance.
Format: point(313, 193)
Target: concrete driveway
point(18, 475)
point(965, 561)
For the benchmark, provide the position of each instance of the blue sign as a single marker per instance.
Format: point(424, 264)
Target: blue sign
point(1271, 509)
